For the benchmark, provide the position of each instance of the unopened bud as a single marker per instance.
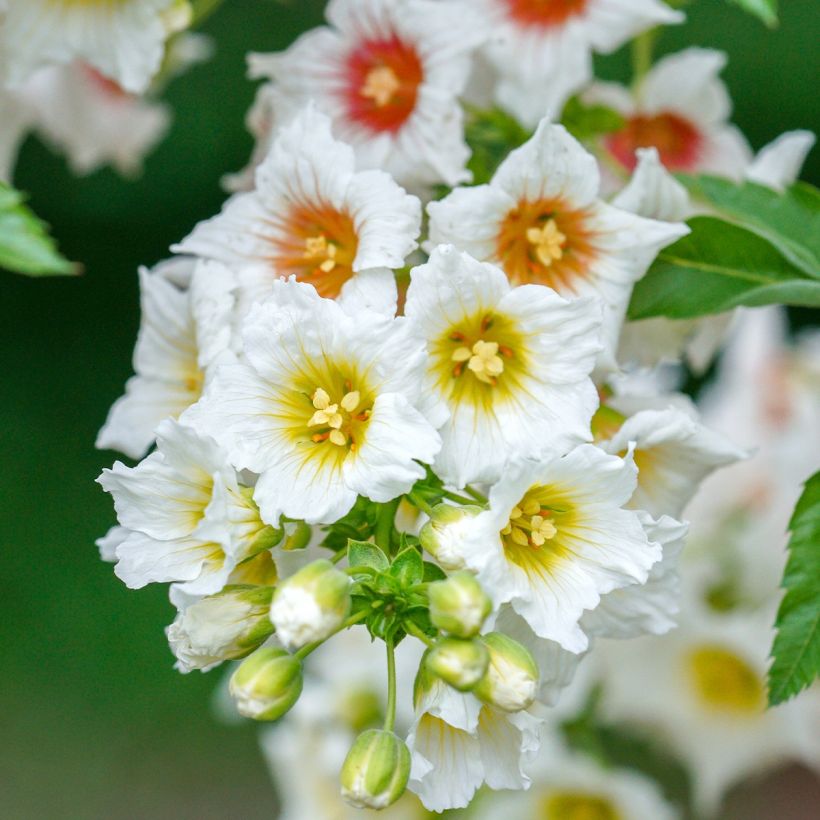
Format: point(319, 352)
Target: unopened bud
point(459, 605)
point(511, 680)
point(459, 662)
point(267, 684)
point(311, 604)
point(443, 535)
point(376, 770)
point(221, 627)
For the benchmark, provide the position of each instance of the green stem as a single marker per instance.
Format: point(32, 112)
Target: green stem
point(351, 621)
point(480, 497)
point(642, 47)
point(384, 524)
point(419, 502)
point(459, 499)
point(338, 556)
point(390, 719)
point(411, 629)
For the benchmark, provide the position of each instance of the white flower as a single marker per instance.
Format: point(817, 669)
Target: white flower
point(778, 164)
point(312, 216)
point(324, 410)
point(650, 608)
point(220, 627)
point(540, 219)
point(388, 72)
point(457, 743)
point(674, 453)
point(93, 120)
point(509, 366)
point(311, 604)
point(682, 108)
point(182, 333)
point(570, 786)
point(188, 518)
point(555, 539)
point(124, 40)
point(542, 51)
point(708, 697)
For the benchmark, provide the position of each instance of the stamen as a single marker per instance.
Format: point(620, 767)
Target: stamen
point(338, 437)
point(485, 363)
point(321, 399)
point(548, 242)
point(380, 85)
point(350, 401)
point(317, 247)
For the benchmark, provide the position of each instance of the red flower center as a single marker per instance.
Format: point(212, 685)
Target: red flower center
point(320, 246)
point(545, 242)
point(383, 78)
point(677, 140)
point(545, 13)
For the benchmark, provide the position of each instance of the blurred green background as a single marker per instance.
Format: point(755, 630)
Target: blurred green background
point(94, 721)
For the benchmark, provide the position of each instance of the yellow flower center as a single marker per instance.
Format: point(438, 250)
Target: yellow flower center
point(547, 241)
point(530, 524)
point(380, 85)
point(482, 360)
point(578, 806)
point(321, 252)
point(335, 419)
point(724, 681)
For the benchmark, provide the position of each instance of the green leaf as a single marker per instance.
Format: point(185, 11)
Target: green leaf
point(433, 572)
point(359, 525)
point(789, 220)
point(491, 134)
point(587, 121)
point(719, 266)
point(765, 10)
point(796, 648)
point(365, 554)
point(407, 567)
point(25, 246)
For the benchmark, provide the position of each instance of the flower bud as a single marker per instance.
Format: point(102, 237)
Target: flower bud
point(221, 627)
point(443, 534)
point(459, 662)
point(267, 684)
point(511, 679)
point(311, 604)
point(376, 770)
point(459, 605)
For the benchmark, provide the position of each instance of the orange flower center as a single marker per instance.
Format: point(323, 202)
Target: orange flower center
point(545, 13)
point(678, 141)
point(545, 243)
point(383, 78)
point(320, 247)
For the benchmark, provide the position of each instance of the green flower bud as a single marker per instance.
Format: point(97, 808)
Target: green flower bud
point(459, 662)
point(511, 680)
point(459, 605)
point(297, 536)
point(311, 604)
point(376, 770)
point(221, 627)
point(267, 684)
point(443, 534)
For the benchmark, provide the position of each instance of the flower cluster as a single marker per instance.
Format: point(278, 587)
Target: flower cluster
point(384, 401)
point(86, 77)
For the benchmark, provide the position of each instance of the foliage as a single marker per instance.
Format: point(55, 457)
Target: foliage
point(763, 248)
point(25, 245)
point(796, 649)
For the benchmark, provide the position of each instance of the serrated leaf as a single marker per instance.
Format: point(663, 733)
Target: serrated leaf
point(796, 648)
point(717, 267)
point(25, 246)
point(587, 121)
point(365, 554)
point(790, 220)
point(407, 567)
point(765, 10)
